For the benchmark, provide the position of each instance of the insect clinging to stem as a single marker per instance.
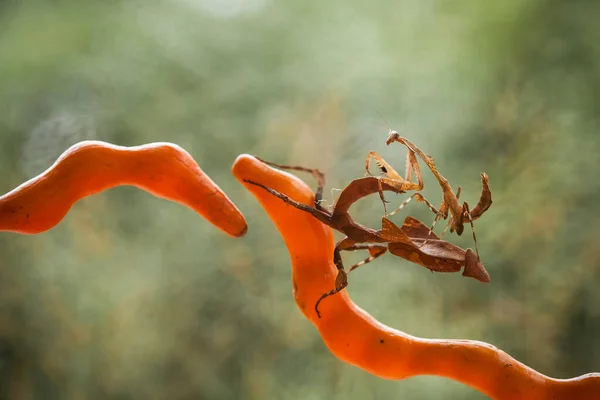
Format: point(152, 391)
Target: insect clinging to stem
point(450, 200)
point(413, 241)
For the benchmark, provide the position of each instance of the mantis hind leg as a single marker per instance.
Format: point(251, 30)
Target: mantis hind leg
point(375, 251)
point(322, 216)
point(317, 174)
point(341, 280)
point(420, 198)
point(467, 215)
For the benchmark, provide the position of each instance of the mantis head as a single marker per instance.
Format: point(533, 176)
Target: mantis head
point(392, 137)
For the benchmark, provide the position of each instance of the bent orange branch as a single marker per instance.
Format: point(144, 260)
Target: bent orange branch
point(358, 339)
point(163, 169)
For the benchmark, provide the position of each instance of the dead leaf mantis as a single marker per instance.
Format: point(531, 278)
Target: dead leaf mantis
point(413, 242)
point(450, 204)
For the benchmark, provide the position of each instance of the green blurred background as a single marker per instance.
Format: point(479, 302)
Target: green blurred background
point(135, 297)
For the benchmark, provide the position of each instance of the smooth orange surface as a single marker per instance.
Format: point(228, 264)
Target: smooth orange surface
point(163, 169)
point(358, 339)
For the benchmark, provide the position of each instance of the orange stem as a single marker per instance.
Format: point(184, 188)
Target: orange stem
point(163, 169)
point(358, 339)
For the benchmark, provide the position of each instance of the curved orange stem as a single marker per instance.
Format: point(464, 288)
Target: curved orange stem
point(163, 169)
point(358, 339)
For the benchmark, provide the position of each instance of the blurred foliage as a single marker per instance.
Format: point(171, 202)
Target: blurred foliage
point(135, 297)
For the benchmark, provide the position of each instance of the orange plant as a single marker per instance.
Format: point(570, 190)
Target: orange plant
point(163, 169)
point(358, 339)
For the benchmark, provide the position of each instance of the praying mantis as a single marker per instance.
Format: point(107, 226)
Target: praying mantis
point(450, 202)
point(413, 241)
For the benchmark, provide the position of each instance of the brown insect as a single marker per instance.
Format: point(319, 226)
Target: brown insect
point(413, 241)
point(450, 202)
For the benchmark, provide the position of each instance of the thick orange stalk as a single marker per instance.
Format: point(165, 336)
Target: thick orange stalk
point(358, 339)
point(163, 169)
